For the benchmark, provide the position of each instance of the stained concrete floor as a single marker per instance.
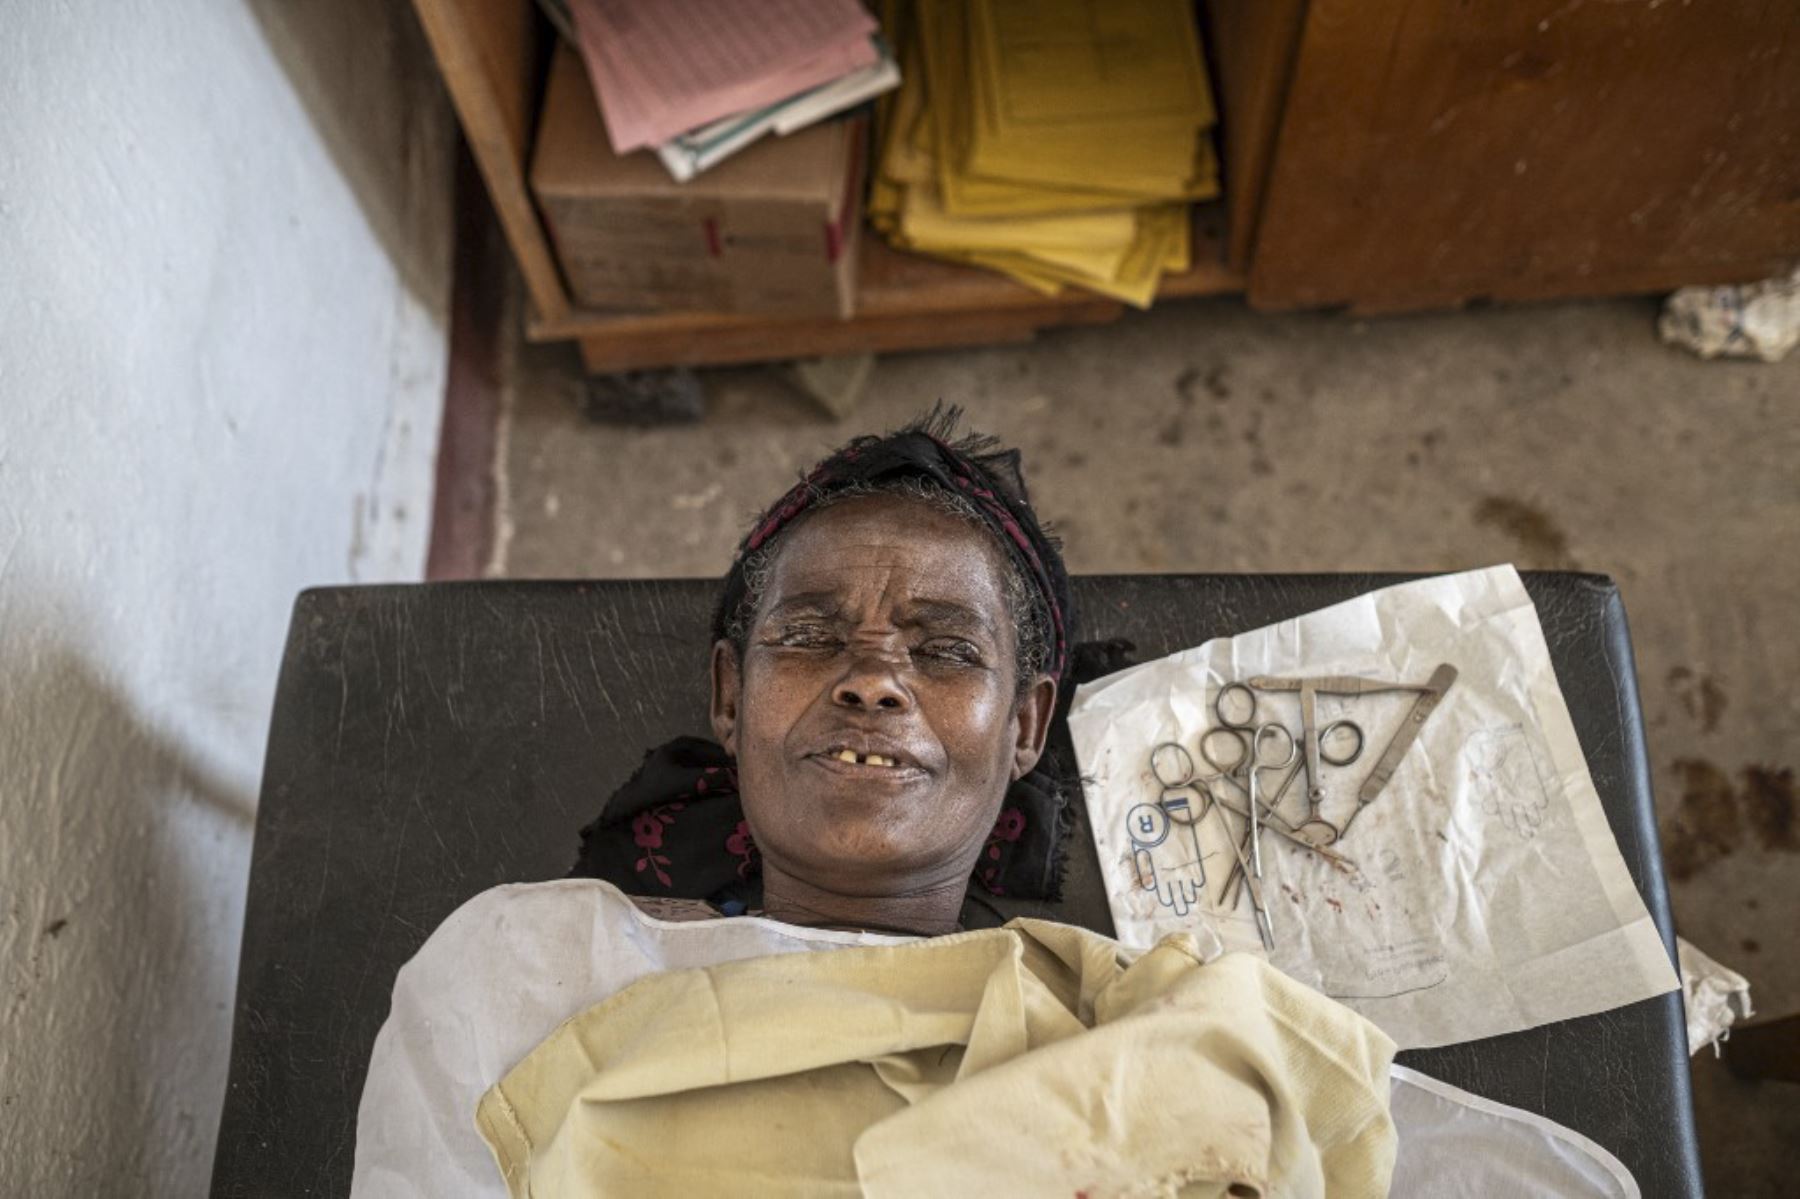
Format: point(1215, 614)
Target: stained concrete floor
point(1203, 437)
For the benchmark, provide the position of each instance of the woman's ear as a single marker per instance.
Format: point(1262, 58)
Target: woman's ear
point(1032, 724)
point(727, 685)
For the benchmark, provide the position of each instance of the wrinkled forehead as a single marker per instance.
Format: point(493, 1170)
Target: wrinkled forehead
point(888, 551)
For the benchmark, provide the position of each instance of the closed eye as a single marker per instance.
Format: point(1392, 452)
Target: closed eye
point(808, 636)
point(951, 649)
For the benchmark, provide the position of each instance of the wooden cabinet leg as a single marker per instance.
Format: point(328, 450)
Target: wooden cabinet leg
point(1769, 1049)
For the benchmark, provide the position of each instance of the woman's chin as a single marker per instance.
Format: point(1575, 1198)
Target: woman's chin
point(868, 859)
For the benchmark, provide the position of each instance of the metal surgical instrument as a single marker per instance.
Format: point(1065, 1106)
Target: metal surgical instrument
point(1434, 691)
point(1266, 746)
point(1175, 806)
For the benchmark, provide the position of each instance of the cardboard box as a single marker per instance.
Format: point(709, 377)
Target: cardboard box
point(770, 231)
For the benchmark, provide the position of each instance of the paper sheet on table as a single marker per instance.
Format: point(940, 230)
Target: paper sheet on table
point(1487, 894)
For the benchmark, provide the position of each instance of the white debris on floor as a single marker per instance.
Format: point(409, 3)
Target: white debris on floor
point(1754, 320)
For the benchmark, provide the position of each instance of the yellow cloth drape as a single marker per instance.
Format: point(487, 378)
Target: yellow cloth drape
point(1036, 1059)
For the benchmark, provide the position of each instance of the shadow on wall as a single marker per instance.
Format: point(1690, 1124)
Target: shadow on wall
point(348, 60)
point(118, 967)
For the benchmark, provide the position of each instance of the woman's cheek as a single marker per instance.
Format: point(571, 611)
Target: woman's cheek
point(976, 726)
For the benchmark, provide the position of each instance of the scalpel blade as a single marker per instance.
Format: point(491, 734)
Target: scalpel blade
point(1408, 732)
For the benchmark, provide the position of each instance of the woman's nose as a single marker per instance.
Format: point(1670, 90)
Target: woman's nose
point(872, 683)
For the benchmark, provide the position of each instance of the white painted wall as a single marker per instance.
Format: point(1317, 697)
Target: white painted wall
point(223, 287)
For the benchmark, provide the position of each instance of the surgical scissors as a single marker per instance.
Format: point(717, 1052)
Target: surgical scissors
point(1205, 783)
point(1233, 731)
point(1263, 928)
point(1315, 742)
point(1174, 770)
point(1265, 746)
point(1258, 747)
point(1187, 778)
point(1278, 759)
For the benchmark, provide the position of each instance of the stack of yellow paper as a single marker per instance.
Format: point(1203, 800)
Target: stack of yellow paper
point(1056, 141)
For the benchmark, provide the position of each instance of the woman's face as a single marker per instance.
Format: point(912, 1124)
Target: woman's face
point(883, 634)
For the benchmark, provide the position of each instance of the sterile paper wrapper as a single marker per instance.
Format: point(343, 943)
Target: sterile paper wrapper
point(1486, 893)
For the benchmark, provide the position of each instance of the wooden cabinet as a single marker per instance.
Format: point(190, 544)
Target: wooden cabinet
point(492, 52)
point(1381, 154)
point(1434, 153)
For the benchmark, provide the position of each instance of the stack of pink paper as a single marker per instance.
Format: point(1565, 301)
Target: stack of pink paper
point(663, 67)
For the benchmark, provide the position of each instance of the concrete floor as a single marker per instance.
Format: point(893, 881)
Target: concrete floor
point(1203, 437)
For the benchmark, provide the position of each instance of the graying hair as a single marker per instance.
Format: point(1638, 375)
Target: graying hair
point(1023, 604)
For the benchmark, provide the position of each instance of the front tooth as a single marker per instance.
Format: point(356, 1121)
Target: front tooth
point(878, 760)
point(846, 755)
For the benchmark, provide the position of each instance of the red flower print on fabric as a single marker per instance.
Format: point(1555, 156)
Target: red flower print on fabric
point(1007, 831)
point(742, 846)
point(647, 830)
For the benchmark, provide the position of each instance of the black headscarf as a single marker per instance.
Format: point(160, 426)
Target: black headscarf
point(973, 467)
point(677, 828)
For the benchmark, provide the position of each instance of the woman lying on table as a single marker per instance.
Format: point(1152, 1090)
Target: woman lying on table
point(890, 646)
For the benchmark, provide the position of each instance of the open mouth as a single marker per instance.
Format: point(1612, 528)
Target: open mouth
point(868, 764)
point(856, 759)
